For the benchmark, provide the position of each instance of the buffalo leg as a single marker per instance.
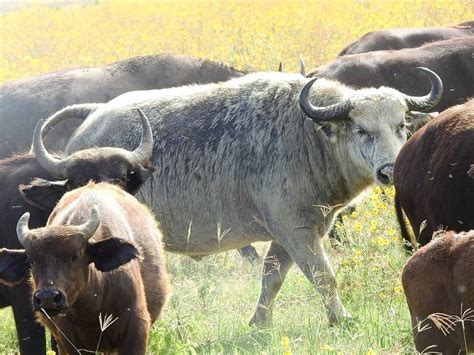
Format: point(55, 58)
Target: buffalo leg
point(276, 264)
point(31, 335)
point(307, 252)
point(249, 253)
point(434, 341)
point(135, 340)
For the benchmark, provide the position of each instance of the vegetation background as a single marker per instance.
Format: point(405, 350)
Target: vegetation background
point(214, 299)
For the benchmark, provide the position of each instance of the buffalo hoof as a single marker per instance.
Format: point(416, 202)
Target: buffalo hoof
point(260, 320)
point(342, 317)
point(346, 322)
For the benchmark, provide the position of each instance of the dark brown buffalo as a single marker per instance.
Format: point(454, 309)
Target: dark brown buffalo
point(432, 175)
point(439, 287)
point(452, 60)
point(35, 184)
point(398, 38)
point(24, 102)
point(99, 255)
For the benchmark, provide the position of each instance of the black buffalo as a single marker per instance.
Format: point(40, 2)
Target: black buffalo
point(452, 60)
point(398, 38)
point(24, 102)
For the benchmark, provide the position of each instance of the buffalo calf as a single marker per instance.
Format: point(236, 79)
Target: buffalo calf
point(35, 182)
point(439, 288)
point(100, 254)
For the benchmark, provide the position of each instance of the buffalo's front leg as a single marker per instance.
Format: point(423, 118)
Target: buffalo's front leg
point(312, 260)
point(306, 250)
point(136, 338)
point(31, 335)
point(275, 267)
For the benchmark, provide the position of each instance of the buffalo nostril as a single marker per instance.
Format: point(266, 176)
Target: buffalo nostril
point(49, 298)
point(385, 174)
point(36, 301)
point(58, 299)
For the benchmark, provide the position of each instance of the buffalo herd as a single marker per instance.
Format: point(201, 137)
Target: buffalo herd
point(132, 160)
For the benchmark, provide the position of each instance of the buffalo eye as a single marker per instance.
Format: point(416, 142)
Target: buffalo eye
point(74, 258)
point(363, 133)
point(401, 127)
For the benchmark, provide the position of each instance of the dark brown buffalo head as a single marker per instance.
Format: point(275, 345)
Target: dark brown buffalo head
point(59, 256)
point(117, 166)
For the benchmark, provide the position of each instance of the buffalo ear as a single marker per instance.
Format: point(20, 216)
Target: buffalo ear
point(330, 129)
point(111, 253)
point(42, 193)
point(416, 119)
point(138, 177)
point(14, 266)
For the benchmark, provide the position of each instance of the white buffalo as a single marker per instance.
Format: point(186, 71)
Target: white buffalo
point(257, 157)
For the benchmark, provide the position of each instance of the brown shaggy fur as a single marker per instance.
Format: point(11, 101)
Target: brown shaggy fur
point(438, 278)
point(135, 293)
point(432, 174)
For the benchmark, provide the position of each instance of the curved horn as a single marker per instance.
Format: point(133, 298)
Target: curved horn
point(335, 112)
point(302, 67)
point(88, 229)
point(54, 166)
point(427, 102)
point(22, 230)
point(145, 149)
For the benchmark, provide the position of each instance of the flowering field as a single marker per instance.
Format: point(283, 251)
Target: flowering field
point(214, 299)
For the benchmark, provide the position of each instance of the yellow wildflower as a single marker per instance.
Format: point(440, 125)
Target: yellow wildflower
point(357, 227)
point(373, 225)
point(398, 289)
point(285, 344)
point(381, 241)
point(391, 232)
point(326, 347)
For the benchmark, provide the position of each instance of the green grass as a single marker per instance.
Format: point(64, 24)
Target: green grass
point(213, 299)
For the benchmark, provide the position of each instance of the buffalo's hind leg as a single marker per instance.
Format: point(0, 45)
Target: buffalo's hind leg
point(430, 340)
point(276, 264)
point(31, 335)
point(249, 253)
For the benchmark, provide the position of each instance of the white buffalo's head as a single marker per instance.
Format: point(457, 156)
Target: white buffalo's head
point(372, 124)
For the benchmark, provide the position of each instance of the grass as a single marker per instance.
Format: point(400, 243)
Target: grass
point(211, 309)
point(213, 300)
